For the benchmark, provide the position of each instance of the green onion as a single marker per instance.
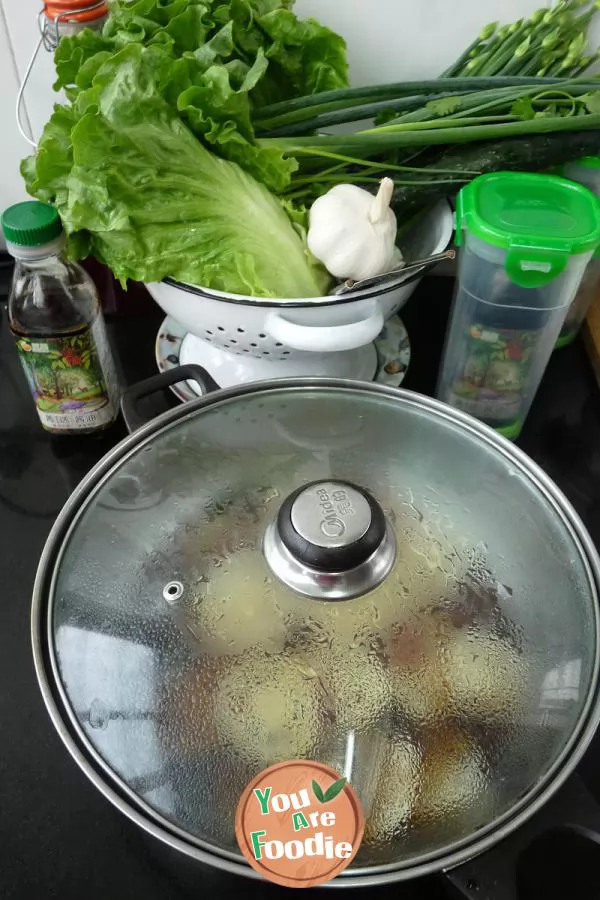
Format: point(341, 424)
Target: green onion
point(387, 167)
point(426, 110)
point(432, 124)
point(345, 97)
point(513, 81)
point(344, 115)
point(376, 141)
point(456, 67)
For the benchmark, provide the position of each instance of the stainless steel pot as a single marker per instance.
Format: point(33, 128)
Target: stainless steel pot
point(424, 556)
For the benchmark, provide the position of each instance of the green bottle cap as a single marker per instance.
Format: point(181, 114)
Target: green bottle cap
point(541, 220)
point(31, 224)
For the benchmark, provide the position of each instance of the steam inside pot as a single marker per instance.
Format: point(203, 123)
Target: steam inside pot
point(404, 666)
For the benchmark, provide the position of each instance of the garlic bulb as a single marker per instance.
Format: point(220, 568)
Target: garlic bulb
point(353, 233)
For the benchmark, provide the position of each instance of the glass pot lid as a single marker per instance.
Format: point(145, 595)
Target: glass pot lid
point(334, 572)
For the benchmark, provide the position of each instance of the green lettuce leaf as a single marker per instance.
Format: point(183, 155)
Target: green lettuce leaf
point(262, 7)
point(221, 117)
point(218, 48)
point(295, 57)
point(180, 78)
point(311, 56)
point(133, 184)
point(46, 173)
point(220, 60)
point(75, 51)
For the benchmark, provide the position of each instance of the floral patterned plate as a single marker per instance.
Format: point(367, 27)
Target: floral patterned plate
point(393, 354)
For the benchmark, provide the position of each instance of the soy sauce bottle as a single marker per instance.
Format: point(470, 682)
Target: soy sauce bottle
point(55, 317)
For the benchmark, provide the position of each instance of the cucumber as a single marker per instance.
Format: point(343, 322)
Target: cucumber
point(535, 153)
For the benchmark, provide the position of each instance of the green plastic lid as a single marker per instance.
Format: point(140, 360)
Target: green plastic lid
point(31, 224)
point(589, 162)
point(541, 220)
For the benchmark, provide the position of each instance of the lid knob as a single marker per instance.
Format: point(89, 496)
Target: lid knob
point(330, 541)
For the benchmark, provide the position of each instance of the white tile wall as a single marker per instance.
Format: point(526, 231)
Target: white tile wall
point(12, 145)
point(387, 40)
point(390, 40)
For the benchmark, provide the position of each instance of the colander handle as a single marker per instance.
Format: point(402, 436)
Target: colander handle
point(134, 419)
point(325, 339)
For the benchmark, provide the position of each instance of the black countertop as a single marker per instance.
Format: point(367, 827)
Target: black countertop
point(59, 837)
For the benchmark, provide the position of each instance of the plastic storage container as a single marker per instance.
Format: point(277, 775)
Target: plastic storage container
point(585, 171)
point(526, 242)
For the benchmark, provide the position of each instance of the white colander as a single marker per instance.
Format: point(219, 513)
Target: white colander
point(256, 338)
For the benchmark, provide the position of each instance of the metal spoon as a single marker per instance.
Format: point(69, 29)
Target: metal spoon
point(351, 286)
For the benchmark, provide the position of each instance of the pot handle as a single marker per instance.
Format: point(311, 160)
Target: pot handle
point(555, 854)
point(325, 339)
point(132, 395)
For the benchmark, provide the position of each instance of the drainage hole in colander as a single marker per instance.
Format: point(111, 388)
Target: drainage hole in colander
point(254, 345)
point(240, 330)
point(286, 352)
point(246, 351)
point(208, 332)
point(233, 340)
point(220, 328)
point(262, 335)
point(278, 344)
point(266, 353)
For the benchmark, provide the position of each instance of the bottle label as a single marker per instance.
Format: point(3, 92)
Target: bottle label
point(71, 378)
point(493, 376)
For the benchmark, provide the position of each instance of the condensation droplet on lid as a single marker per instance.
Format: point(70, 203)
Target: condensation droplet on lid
point(191, 631)
point(98, 715)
